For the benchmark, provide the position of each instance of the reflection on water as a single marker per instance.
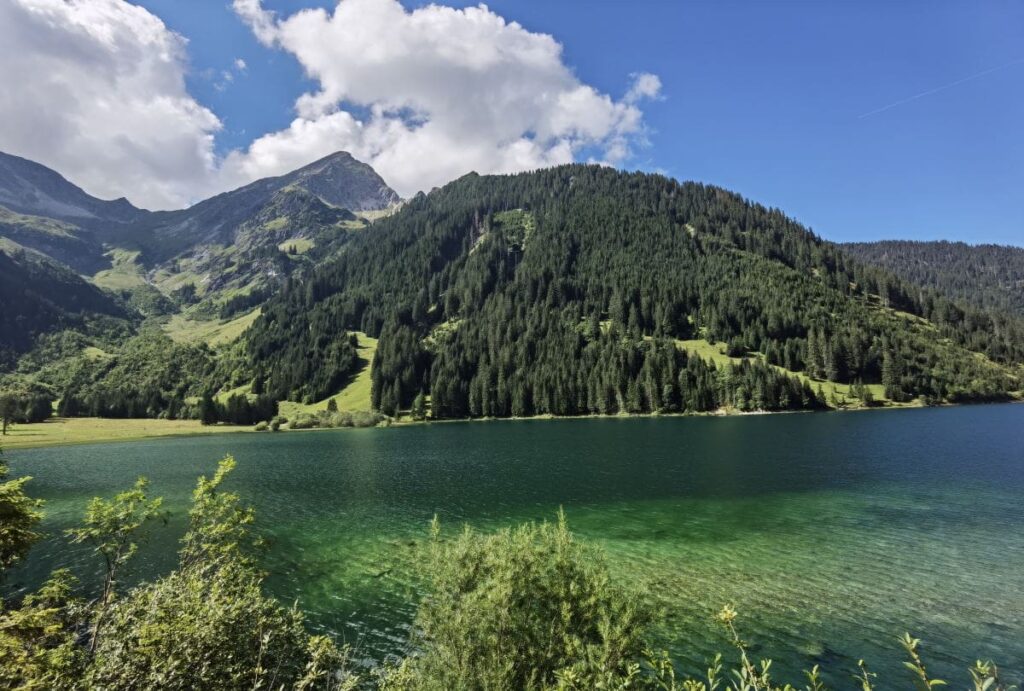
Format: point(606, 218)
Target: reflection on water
point(831, 533)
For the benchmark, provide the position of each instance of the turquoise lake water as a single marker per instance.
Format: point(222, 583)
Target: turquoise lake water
point(830, 533)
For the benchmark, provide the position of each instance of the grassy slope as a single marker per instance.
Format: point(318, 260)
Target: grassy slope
point(123, 274)
point(354, 397)
point(715, 352)
point(84, 430)
point(214, 332)
point(301, 245)
point(39, 224)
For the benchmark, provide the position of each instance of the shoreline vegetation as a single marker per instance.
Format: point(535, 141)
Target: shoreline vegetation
point(208, 624)
point(75, 431)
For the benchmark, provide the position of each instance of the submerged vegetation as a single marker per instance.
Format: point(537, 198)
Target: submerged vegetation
point(530, 607)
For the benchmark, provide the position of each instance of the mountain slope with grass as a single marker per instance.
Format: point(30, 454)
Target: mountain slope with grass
point(39, 297)
point(92, 283)
point(31, 188)
point(567, 291)
point(575, 290)
point(987, 276)
point(242, 241)
point(337, 181)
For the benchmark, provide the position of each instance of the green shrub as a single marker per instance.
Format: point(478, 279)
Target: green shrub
point(206, 630)
point(304, 421)
point(519, 609)
point(205, 625)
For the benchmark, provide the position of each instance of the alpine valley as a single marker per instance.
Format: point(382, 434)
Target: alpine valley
point(575, 290)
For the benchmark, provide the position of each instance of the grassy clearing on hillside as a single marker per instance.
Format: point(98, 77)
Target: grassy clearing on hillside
point(276, 224)
point(184, 329)
point(715, 352)
point(353, 398)
point(301, 245)
point(223, 396)
point(85, 430)
point(379, 213)
point(169, 281)
point(39, 224)
point(94, 353)
point(123, 274)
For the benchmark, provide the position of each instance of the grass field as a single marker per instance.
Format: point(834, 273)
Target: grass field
point(123, 274)
point(354, 397)
point(301, 245)
point(184, 329)
point(379, 213)
point(85, 430)
point(715, 352)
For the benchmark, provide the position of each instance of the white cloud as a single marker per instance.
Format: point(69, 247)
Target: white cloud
point(430, 94)
point(645, 86)
point(96, 90)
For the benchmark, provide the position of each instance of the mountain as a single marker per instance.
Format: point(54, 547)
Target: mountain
point(337, 181)
point(31, 188)
point(91, 290)
point(565, 291)
point(38, 296)
point(41, 210)
point(581, 289)
point(342, 181)
point(229, 245)
point(38, 204)
point(987, 276)
point(62, 241)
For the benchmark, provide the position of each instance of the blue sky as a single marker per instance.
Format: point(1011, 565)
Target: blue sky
point(784, 102)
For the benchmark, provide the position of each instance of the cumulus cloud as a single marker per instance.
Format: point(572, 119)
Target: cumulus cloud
point(96, 90)
point(645, 86)
point(429, 94)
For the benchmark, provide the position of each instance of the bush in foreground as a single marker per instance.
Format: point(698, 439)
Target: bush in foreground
point(521, 609)
point(206, 625)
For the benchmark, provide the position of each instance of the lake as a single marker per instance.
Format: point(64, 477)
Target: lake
point(831, 533)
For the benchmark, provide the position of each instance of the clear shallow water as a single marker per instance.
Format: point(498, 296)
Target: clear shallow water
point(831, 533)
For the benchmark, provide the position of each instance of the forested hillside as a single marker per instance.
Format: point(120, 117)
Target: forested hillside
point(567, 291)
point(121, 312)
point(573, 290)
point(987, 276)
point(38, 297)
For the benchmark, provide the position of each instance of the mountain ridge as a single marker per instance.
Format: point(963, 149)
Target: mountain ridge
point(47, 213)
point(29, 187)
point(569, 290)
point(987, 275)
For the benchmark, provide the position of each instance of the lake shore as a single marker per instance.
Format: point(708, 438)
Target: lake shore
point(88, 430)
point(91, 430)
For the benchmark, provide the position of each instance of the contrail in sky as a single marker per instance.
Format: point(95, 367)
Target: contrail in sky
point(941, 88)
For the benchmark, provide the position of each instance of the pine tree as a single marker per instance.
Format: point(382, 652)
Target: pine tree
point(208, 414)
point(419, 407)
